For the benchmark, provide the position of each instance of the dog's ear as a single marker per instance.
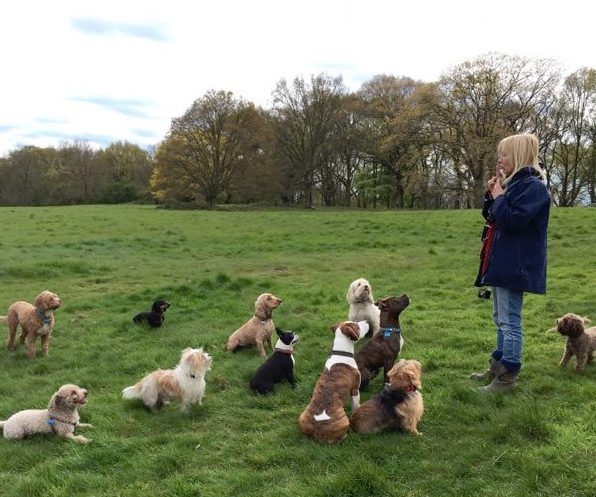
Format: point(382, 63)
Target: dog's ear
point(334, 327)
point(351, 330)
point(57, 401)
point(42, 300)
point(279, 331)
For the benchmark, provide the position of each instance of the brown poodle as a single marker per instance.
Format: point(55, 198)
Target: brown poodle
point(581, 341)
point(259, 328)
point(399, 406)
point(61, 417)
point(35, 320)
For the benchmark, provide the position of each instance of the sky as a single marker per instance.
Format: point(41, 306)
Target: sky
point(103, 71)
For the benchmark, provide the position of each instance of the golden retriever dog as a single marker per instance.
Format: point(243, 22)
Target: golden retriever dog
point(399, 406)
point(60, 418)
point(259, 328)
point(185, 383)
point(581, 341)
point(362, 307)
point(35, 319)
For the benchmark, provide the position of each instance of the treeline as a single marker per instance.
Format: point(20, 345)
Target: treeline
point(395, 143)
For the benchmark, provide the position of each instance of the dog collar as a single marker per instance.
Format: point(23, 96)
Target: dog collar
point(52, 421)
point(45, 318)
point(389, 330)
point(284, 351)
point(341, 352)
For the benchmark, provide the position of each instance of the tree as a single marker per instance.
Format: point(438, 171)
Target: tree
point(484, 100)
point(304, 118)
point(205, 148)
point(128, 168)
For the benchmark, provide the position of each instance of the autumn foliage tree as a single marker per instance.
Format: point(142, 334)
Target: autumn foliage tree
point(205, 148)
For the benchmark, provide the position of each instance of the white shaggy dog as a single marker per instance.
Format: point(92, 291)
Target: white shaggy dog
point(61, 417)
point(362, 307)
point(186, 382)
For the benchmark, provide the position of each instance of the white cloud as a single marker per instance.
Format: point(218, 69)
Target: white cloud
point(61, 58)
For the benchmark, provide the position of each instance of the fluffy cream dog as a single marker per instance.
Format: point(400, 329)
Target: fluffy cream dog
point(61, 417)
point(35, 319)
point(362, 307)
point(185, 383)
point(259, 328)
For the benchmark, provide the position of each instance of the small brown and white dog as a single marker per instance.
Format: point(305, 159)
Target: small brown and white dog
point(61, 417)
point(399, 405)
point(581, 341)
point(35, 319)
point(185, 383)
point(324, 418)
point(259, 328)
point(362, 307)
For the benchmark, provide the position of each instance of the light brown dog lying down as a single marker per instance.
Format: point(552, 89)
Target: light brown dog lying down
point(35, 320)
point(259, 328)
point(61, 417)
point(581, 341)
point(399, 405)
point(325, 419)
point(185, 383)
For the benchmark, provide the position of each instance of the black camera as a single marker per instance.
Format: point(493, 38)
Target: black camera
point(484, 293)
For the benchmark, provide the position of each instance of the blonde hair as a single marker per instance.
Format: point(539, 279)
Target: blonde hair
point(522, 151)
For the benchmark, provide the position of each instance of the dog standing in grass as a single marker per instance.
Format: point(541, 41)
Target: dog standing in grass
point(185, 383)
point(581, 341)
point(36, 319)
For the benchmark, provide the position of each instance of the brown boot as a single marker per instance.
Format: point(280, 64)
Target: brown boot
point(504, 380)
point(487, 375)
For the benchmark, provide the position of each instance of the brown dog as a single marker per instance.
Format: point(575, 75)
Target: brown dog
point(324, 418)
point(35, 320)
point(581, 341)
point(382, 349)
point(399, 406)
point(259, 328)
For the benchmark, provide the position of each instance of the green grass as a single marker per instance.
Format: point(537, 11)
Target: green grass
point(109, 262)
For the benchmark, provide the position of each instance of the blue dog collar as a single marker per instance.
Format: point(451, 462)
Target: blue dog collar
point(389, 330)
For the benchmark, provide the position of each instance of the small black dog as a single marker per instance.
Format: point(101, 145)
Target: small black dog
point(278, 366)
point(155, 316)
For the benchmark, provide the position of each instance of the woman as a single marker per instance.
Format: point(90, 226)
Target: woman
point(513, 259)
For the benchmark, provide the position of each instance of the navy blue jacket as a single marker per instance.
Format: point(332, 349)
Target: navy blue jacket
point(517, 259)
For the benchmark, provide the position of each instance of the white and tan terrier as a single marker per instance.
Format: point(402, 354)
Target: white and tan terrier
point(325, 419)
point(185, 383)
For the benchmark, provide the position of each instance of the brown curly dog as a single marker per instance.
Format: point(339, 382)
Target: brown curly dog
point(35, 320)
point(581, 341)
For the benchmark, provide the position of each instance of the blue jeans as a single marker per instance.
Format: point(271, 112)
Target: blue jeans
point(507, 310)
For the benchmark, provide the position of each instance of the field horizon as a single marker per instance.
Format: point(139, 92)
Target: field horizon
point(110, 262)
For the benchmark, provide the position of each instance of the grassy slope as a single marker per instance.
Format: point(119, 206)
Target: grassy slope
point(109, 262)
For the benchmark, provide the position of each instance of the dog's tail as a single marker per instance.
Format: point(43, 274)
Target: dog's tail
point(133, 392)
point(3, 319)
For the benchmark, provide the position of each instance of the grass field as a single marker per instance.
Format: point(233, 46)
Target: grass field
point(109, 262)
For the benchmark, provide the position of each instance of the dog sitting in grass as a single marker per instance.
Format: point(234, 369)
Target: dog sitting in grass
point(399, 405)
point(185, 383)
point(279, 365)
point(382, 349)
point(155, 317)
point(258, 329)
point(581, 341)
